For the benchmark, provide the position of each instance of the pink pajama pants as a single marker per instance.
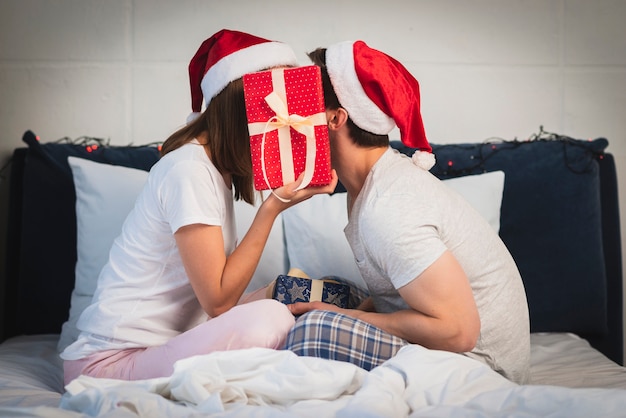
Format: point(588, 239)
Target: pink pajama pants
point(252, 323)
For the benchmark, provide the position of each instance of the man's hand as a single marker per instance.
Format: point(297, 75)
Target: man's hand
point(300, 308)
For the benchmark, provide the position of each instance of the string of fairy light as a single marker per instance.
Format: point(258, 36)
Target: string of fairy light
point(92, 143)
point(492, 146)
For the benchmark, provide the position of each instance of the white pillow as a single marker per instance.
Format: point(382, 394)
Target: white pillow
point(105, 194)
point(483, 192)
point(315, 240)
point(314, 234)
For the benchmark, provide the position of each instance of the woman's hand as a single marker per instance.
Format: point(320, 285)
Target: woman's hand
point(289, 195)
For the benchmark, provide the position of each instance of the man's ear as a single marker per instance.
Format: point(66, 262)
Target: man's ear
point(336, 118)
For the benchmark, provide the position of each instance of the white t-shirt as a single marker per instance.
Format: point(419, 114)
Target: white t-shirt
point(403, 220)
point(144, 297)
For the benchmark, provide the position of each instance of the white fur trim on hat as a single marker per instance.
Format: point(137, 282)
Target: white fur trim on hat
point(361, 109)
point(248, 60)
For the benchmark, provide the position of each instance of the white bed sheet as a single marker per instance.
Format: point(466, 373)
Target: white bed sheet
point(565, 359)
point(31, 384)
point(31, 372)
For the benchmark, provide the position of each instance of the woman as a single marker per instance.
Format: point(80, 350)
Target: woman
point(177, 262)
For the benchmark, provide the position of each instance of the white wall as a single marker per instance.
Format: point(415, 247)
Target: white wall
point(117, 69)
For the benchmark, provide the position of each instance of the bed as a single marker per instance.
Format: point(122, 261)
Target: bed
point(552, 199)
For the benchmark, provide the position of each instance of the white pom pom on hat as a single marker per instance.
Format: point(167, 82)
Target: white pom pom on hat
point(378, 93)
point(228, 55)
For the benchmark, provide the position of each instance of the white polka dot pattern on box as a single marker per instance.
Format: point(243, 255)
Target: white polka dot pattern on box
point(304, 94)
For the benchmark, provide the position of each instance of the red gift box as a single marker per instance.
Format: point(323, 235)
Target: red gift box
point(287, 125)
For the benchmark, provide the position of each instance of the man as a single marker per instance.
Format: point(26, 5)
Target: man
point(437, 273)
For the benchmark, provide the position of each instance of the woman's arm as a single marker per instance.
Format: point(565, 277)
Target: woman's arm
point(219, 281)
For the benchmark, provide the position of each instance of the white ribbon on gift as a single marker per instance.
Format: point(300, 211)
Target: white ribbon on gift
point(317, 288)
point(282, 121)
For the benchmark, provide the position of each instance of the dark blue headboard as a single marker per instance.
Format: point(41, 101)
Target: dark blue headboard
point(41, 242)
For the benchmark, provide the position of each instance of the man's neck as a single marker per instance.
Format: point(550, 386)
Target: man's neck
point(353, 165)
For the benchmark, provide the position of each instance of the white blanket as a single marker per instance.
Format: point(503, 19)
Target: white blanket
point(268, 383)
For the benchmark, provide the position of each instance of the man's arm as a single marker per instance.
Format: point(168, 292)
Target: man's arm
point(442, 314)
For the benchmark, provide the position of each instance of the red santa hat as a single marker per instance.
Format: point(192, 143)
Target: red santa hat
point(227, 56)
point(378, 93)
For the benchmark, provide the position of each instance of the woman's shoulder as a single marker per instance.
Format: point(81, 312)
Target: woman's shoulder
point(192, 150)
point(187, 166)
point(189, 154)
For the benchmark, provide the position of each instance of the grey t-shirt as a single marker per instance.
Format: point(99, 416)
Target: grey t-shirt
point(403, 220)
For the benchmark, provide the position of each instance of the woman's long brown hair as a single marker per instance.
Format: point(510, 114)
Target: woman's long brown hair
point(225, 124)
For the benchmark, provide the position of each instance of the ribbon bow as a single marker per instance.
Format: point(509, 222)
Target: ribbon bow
point(302, 124)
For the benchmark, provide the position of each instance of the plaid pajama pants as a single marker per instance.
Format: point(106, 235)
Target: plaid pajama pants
point(335, 336)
